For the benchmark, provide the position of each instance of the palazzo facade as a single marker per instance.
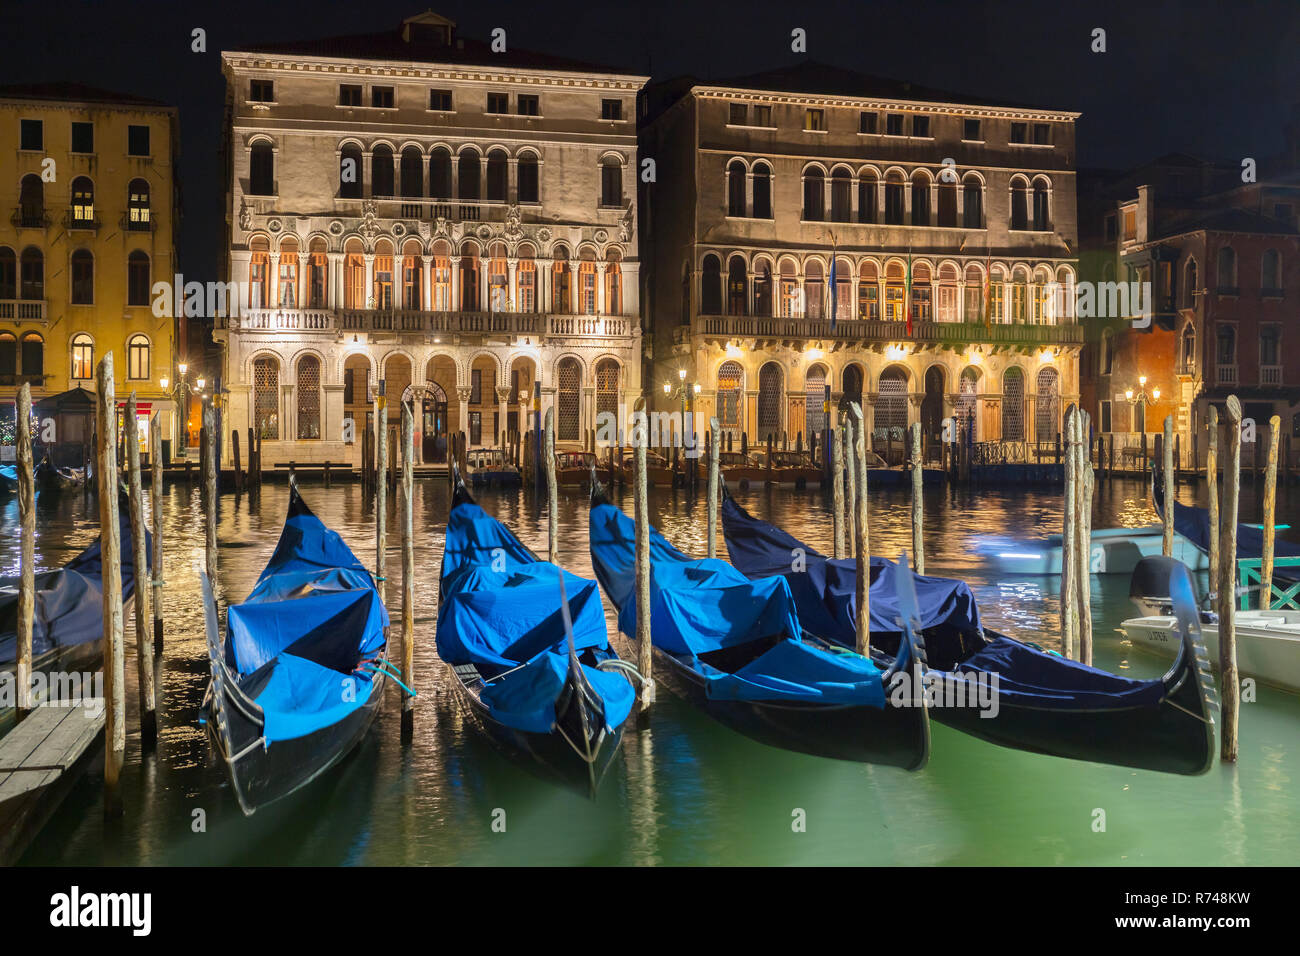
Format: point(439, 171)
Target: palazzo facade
point(415, 212)
point(924, 202)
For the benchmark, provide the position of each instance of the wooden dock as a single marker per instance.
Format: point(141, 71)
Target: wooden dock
point(40, 761)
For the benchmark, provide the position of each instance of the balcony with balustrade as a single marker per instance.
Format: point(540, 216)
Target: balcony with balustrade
point(720, 328)
point(422, 322)
point(22, 310)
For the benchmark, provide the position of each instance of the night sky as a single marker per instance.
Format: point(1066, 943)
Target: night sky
point(1220, 80)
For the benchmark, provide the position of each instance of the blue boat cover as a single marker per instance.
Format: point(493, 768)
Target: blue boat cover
point(69, 600)
point(8, 477)
point(1194, 524)
point(701, 606)
point(1027, 676)
point(825, 588)
point(500, 610)
point(298, 640)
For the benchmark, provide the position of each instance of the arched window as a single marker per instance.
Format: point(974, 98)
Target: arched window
point(763, 287)
point(711, 286)
point(469, 279)
point(973, 295)
point(894, 198)
point(791, 298)
point(1019, 203)
point(814, 399)
point(8, 353)
point(852, 383)
point(814, 290)
point(587, 285)
point(1047, 409)
point(1189, 284)
point(613, 284)
point(412, 275)
point(496, 176)
point(920, 198)
point(1227, 277)
point(867, 196)
point(947, 293)
point(382, 289)
point(31, 202)
point(737, 286)
point(841, 195)
point(868, 290)
point(83, 357)
point(891, 405)
point(307, 394)
point(381, 172)
point(730, 383)
point(560, 278)
point(468, 173)
point(568, 391)
point(498, 279)
point(967, 386)
point(83, 201)
point(259, 261)
point(1187, 351)
point(769, 401)
point(33, 274)
point(762, 176)
point(997, 294)
point(8, 274)
point(441, 266)
point(261, 169)
point(412, 173)
point(922, 303)
point(287, 280)
point(318, 264)
point(607, 387)
point(351, 172)
point(83, 277)
point(1042, 216)
point(842, 283)
point(1013, 404)
point(1019, 293)
point(33, 354)
point(814, 195)
point(266, 398)
point(972, 213)
point(526, 280)
point(736, 188)
point(138, 214)
point(947, 202)
point(440, 174)
point(529, 185)
point(611, 182)
point(1271, 273)
point(137, 358)
point(1225, 355)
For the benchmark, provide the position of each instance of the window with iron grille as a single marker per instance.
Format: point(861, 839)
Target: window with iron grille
point(966, 403)
point(266, 398)
point(1047, 410)
point(891, 407)
point(567, 400)
point(815, 395)
point(730, 380)
point(607, 387)
point(769, 401)
point(1013, 405)
point(308, 393)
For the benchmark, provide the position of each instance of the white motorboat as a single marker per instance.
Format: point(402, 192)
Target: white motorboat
point(1113, 551)
point(1268, 643)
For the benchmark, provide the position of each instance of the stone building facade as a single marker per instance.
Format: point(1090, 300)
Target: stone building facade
point(924, 201)
point(414, 209)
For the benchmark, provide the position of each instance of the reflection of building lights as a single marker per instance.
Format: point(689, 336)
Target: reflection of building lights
point(896, 352)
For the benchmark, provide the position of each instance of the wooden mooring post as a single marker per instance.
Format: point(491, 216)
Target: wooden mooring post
point(140, 560)
point(836, 453)
point(1084, 482)
point(641, 505)
point(155, 503)
point(918, 539)
point(1270, 515)
point(1069, 546)
point(239, 471)
point(1230, 691)
point(27, 554)
point(848, 450)
point(408, 566)
point(862, 591)
point(1212, 481)
point(552, 490)
point(381, 496)
point(715, 489)
point(111, 564)
point(210, 466)
point(1167, 470)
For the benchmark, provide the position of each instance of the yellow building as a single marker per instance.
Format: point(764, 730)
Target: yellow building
point(87, 213)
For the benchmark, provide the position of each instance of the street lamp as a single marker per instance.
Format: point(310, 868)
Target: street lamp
point(1141, 398)
point(684, 389)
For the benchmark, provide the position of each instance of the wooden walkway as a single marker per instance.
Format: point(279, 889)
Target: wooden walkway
point(40, 760)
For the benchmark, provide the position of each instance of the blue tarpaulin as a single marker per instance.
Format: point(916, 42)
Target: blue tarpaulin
point(698, 607)
point(1194, 524)
point(500, 610)
point(298, 639)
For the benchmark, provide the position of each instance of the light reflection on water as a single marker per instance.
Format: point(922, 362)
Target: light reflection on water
point(686, 789)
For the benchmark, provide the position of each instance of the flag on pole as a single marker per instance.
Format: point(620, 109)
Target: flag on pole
point(830, 285)
point(988, 289)
point(907, 295)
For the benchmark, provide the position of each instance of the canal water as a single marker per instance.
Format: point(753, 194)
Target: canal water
point(686, 790)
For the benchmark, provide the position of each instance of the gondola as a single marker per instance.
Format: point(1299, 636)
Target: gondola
point(68, 620)
point(1193, 524)
point(1044, 702)
point(53, 480)
point(301, 676)
point(558, 702)
point(735, 649)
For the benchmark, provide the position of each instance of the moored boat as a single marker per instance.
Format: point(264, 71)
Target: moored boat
point(735, 649)
point(739, 470)
point(1042, 702)
point(790, 469)
point(546, 689)
point(659, 470)
point(492, 467)
point(573, 466)
point(8, 479)
point(52, 480)
point(1112, 551)
point(301, 675)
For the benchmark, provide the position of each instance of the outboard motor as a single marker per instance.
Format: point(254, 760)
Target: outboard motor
point(1149, 588)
